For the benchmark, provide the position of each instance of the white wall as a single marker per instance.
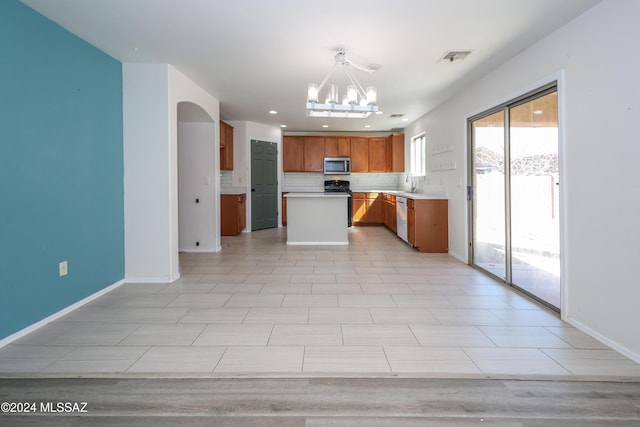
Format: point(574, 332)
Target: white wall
point(151, 94)
point(146, 171)
point(196, 158)
point(600, 102)
point(243, 133)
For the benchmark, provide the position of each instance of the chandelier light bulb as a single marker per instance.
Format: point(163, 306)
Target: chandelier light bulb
point(352, 94)
point(372, 95)
point(312, 92)
point(333, 94)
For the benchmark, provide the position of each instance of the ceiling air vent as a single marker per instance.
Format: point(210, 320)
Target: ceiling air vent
point(454, 56)
point(396, 116)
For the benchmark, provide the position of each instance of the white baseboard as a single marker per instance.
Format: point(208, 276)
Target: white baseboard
point(614, 345)
point(21, 333)
point(458, 257)
point(150, 279)
point(197, 250)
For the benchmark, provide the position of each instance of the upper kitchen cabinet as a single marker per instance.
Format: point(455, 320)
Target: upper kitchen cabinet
point(378, 154)
point(313, 154)
point(359, 154)
point(395, 153)
point(368, 154)
point(293, 154)
point(302, 154)
point(337, 146)
point(226, 146)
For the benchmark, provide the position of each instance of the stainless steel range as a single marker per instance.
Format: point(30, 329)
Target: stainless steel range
point(341, 186)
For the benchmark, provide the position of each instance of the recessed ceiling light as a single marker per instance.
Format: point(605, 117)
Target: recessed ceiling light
point(379, 112)
point(367, 126)
point(273, 112)
point(283, 126)
point(538, 112)
point(325, 126)
point(404, 120)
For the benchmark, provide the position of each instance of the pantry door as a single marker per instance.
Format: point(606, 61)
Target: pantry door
point(514, 194)
point(264, 185)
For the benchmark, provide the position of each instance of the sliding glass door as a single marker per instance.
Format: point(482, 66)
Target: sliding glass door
point(488, 228)
point(514, 194)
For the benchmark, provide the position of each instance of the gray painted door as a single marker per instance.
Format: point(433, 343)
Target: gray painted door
point(264, 185)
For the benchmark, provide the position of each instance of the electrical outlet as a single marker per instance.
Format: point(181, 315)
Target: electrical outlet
point(63, 268)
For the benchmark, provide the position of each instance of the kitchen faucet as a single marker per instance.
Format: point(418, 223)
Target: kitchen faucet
point(413, 182)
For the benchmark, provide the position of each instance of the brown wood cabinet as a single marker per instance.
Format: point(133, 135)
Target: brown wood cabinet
point(368, 154)
point(337, 146)
point(232, 214)
point(396, 152)
point(411, 221)
point(359, 154)
point(390, 216)
point(427, 225)
point(302, 154)
point(226, 146)
point(367, 209)
point(293, 154)
point(313, 154)
point(284, 208)
point(375, 214)
point(377, 154)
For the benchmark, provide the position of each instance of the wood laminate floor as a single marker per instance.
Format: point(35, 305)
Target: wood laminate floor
point(345, 402)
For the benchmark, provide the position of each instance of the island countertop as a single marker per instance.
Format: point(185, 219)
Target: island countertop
point(314, 195)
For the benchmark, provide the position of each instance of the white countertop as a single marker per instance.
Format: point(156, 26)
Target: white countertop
point(434, 195)
point(315, 195)
point(430, 195)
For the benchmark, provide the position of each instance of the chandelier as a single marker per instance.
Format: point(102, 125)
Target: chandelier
point(356, 103)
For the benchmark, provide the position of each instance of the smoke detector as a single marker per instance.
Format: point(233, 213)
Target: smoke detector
point(454, 56)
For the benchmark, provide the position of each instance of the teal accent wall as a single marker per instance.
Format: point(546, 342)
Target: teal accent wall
point(61, 168)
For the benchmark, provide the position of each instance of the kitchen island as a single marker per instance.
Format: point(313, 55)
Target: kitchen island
point(317, 219)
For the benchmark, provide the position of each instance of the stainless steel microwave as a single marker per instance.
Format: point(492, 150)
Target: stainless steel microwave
point(337, 165)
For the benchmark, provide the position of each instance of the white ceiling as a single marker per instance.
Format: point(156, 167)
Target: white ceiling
point(258, 55)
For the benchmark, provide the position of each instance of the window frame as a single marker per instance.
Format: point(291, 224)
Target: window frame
point(418, 155)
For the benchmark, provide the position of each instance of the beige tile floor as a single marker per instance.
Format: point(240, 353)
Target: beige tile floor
point(260, 307)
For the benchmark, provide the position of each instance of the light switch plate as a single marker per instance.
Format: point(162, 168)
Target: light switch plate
point(63, 268)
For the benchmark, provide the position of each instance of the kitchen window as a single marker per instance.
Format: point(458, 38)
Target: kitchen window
point(419, 155)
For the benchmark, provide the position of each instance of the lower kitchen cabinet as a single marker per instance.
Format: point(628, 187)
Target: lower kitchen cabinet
point(390, 215)
point(284, 208)
point(233, 217)
point(367, 209)
point(427, 225)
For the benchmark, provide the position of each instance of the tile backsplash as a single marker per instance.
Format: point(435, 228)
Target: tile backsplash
point(226, 180)
point(359, 181)
point(307, 181)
